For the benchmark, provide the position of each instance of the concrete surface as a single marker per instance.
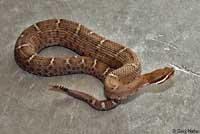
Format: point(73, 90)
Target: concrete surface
point(162, 32)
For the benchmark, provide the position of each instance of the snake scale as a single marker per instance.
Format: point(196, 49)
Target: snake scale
point(117, 66)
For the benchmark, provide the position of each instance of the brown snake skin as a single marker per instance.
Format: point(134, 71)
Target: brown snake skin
point(115, 65)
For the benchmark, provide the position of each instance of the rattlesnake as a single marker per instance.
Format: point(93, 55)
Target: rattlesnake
point(115, 65)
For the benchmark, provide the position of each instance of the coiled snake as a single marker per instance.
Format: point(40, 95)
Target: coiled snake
point(115, 65)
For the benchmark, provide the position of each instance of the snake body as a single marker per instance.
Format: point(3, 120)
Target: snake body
point(115, 65)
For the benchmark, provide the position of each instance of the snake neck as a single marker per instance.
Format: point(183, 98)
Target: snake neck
point(118, 90)
point(117, 81)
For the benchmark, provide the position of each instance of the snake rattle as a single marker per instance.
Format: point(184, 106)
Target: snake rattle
point(118, 67)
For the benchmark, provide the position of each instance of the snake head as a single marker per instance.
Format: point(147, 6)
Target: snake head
point(159, 76)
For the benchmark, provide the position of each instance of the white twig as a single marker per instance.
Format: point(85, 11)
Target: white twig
point(185, 70)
